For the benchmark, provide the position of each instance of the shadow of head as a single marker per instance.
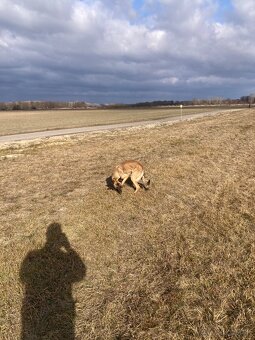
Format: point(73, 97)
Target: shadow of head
point(55, 236)
point(53, 232)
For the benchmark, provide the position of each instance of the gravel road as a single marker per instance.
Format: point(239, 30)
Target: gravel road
point(97, 128)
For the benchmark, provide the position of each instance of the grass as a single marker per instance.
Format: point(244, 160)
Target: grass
point(12, 122)
point(174, 262)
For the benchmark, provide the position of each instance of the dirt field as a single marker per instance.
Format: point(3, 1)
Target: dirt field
point(174, 262)
point(12, 122)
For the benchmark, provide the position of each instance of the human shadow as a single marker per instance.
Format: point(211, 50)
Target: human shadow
point(48, 307)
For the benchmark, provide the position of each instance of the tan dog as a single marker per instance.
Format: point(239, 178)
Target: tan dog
point(132, 169)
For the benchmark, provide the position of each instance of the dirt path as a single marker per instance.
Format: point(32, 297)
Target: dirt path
point(97, 128)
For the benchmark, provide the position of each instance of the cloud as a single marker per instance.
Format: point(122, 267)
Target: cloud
point(114, 51)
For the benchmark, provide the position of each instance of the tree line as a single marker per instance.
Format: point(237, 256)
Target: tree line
point(82, 105)
point(42, 105)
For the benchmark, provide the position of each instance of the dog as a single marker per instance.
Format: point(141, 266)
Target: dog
point(129, 169)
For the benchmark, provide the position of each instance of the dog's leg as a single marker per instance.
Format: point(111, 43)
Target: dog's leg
point(135, 181)
point(124, 180)
point(137, 186)
point(142, 182)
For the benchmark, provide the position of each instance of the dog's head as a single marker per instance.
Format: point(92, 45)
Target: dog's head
point(116, 184)
point(111, 185)
point(147, 184)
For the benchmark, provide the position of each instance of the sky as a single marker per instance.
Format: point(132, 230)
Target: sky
point(126, 51)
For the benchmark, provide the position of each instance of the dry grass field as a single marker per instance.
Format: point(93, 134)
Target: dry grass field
point(174, 262)
point(12, 122)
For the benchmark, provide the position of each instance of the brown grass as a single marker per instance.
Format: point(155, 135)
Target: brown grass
point(12, 122)
point(174, 262)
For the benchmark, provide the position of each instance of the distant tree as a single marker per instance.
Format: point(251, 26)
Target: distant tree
point(3, 107)
point(251, 99)
point(216, 100)
point(196, 101)
point(16, 107)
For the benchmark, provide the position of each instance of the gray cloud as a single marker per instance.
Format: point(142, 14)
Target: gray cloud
point(104, 51)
